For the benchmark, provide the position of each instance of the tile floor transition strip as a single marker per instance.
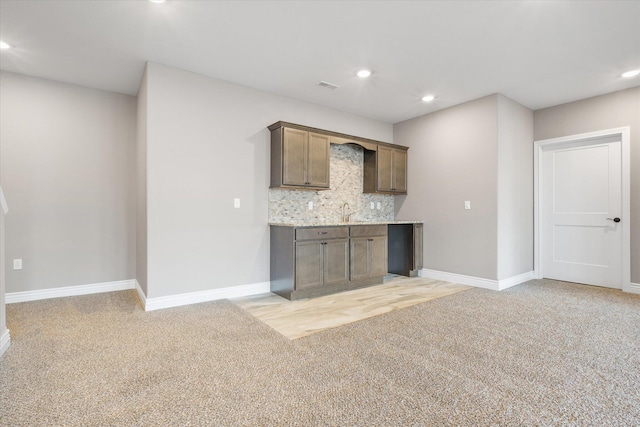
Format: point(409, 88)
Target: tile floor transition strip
point(301, 318)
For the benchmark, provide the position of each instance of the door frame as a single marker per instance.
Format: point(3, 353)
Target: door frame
point(624, 133)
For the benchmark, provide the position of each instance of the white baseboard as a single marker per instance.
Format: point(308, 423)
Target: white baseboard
point(69, 291)
point(516, 280)
point(634, 288)
point(5, 342)
point(478, 282)
point(141, 295)
point(158, 303)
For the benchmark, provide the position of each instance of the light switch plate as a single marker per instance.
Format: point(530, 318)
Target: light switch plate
point(310, 206)
point(373, 205)
point(379, 205)
point(236, 203)
point(17, 264)
point(467, 204)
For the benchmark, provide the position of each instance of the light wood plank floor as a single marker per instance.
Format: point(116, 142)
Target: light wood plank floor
point(296, 319)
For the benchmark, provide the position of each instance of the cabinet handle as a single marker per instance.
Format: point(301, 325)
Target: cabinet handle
point(370, 240)
point(322, 232)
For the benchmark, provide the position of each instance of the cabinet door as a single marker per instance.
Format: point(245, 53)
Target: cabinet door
point(318, 161)
point(378, 255)
point(368, 257)
point(384, 166)
point(336, 260)
point(399, 171)
point(294, 156)
point(417, 246)
point(359, 258)
point(309, 264)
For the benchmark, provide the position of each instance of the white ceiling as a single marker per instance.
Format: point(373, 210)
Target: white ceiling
point(539, 53)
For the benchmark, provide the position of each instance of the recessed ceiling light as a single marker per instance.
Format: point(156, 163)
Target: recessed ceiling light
point(428, 98)
point(631, 73)
point(4, 45)
point(157, 1)
point(364, 73)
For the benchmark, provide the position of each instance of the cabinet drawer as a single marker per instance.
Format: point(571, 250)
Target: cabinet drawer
point(318, 233)
point(368, 230)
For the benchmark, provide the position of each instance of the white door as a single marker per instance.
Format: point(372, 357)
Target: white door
point(581, 212)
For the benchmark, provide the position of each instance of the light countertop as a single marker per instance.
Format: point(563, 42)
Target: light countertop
point(335, 224)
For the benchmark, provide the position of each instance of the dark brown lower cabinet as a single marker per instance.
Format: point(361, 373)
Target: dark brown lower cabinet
point(368, 257)
point(418, 233)
point(321, 263)
point(309, 264)
point(313, 261)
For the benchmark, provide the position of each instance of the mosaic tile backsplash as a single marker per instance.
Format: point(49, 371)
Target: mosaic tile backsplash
point(346, 168)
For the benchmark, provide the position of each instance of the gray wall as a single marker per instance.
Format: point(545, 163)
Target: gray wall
point(207, 142)
point(141, 185)
point(453, 157)
point(515, 189)
point(602, 112)
point(67, 168)
point(3, 308)
point(479, 151)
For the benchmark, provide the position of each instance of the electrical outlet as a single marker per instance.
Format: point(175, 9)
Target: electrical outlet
point(17, 264)
point(310, 206)
point(467, 204)
point(236, 203)
point(379, 205)
point(373, 205)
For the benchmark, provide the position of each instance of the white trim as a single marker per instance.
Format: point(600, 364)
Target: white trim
point(625, 136)
point(460, 278)
point(5, 342)
point(141, 295)
point(515, 280)
point(158, 303)
point(69, 291)
point(634, 288)
point(478, 282)
point(3, 202)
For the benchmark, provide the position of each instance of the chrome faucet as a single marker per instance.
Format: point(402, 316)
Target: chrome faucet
point(345, 218)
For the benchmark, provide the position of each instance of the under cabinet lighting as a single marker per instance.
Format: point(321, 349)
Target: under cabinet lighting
point(4, 45)
point(631, 73)
point(364, 73)
point(157, 1)
point(428, 98)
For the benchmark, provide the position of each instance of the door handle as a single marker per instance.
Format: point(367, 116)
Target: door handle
point(616, 219)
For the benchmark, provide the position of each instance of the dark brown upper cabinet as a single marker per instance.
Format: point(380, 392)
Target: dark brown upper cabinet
point(299, 159)
point(385, 170)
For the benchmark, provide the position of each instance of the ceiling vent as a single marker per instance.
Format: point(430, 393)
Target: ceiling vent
point(328, 85)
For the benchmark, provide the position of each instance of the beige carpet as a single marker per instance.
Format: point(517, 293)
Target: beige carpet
point(542, 353)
